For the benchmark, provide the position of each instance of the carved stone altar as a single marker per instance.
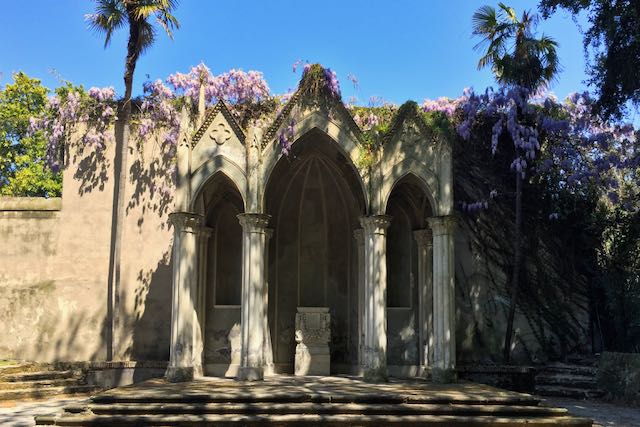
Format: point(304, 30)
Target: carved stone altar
point(313, 333)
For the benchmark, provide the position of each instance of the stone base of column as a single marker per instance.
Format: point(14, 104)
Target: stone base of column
point(376, 375)
point(175, 374)
point(249, 373)
point(444, 376)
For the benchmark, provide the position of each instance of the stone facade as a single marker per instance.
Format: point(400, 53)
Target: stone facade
point(214, 272)
point(311, 202)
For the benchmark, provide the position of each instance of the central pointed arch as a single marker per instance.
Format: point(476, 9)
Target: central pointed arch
point(315, 200)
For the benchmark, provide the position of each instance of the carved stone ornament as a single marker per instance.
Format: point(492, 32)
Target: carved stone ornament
point(313, 333)
point(220, 134)
point(410, 133)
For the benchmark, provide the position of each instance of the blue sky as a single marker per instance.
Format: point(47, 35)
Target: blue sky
point(397, 49)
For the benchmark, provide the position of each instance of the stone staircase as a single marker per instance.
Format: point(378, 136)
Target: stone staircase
point(282, 402)
point(36, 381)
point(575, 380)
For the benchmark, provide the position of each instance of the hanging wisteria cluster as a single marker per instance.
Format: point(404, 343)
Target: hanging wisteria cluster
point(548, 137)
point(578, 147)
point(68, 107)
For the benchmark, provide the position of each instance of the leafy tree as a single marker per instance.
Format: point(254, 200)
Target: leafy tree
point(23, 169)
point(521, 60)
point(109, 16)
point(612, 46)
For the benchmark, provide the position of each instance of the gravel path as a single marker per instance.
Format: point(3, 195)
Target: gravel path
point(20, 414)
point(603, 414)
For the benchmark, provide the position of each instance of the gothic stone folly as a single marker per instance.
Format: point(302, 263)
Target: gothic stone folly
point(260, 233)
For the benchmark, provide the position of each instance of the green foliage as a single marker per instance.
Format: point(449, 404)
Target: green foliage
point(23, 170)
point(618, 289)
point(612, 44)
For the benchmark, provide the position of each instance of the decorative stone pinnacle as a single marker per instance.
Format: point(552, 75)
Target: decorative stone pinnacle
point(254, 221)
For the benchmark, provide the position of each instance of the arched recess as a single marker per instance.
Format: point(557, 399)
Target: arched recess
point(315, 201)
point(220, 201)
point(205, 173)
point(421, 175)
point(408, 205)
point(345, 143)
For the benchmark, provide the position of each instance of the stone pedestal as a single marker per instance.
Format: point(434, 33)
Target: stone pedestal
point(375, 297)
point(313, 333)
point(444, 327)
point(184, 360)
point(253, 305)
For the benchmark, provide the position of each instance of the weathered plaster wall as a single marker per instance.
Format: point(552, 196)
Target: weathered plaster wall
point(54, 263)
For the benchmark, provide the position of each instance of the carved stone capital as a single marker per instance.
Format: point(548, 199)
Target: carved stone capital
point(186, 222)
point(254, 222)
point(206, 232)
point(375, 224)
point(268, 233)
point(424, 238)
point(359, 236)
point(442, 224)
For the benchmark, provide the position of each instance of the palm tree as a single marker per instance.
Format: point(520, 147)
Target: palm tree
point(517, 58)
point(109, 16)
point(515, 55)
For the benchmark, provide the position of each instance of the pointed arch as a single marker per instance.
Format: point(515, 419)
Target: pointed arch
point(408, 169)
point(208, 171)
point(319, 126)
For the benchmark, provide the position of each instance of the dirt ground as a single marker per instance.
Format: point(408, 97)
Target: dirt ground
point(603, 414)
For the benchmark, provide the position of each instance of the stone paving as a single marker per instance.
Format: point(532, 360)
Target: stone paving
point(20, 414)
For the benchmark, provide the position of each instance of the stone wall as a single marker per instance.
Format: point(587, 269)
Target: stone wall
point(54, 263)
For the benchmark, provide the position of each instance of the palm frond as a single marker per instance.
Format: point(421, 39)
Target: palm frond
point(484, 21)
point(509, 12)
point(109, 16)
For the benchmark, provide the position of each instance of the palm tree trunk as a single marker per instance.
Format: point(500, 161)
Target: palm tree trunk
point(120, 172)
point(515, 281)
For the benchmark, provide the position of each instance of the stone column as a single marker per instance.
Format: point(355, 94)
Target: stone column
point(444, 327)
point(201, 300)
point(183, 362)
point(359, 236)
point(424, 242)
point(268, 347)
point(375, 297)
point(253, 304)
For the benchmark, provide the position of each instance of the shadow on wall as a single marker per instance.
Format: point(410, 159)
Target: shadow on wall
point(142, 331)
point(152, 308)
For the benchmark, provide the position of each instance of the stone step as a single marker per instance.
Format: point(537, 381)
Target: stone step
point(314, 408)
point(307, 419)
point(121, 396)
point(37, 393)
point(15, 368)
point(577, 381)
point(572, 392)
point(38, 376)
point(13, 385)
point(561, 368)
